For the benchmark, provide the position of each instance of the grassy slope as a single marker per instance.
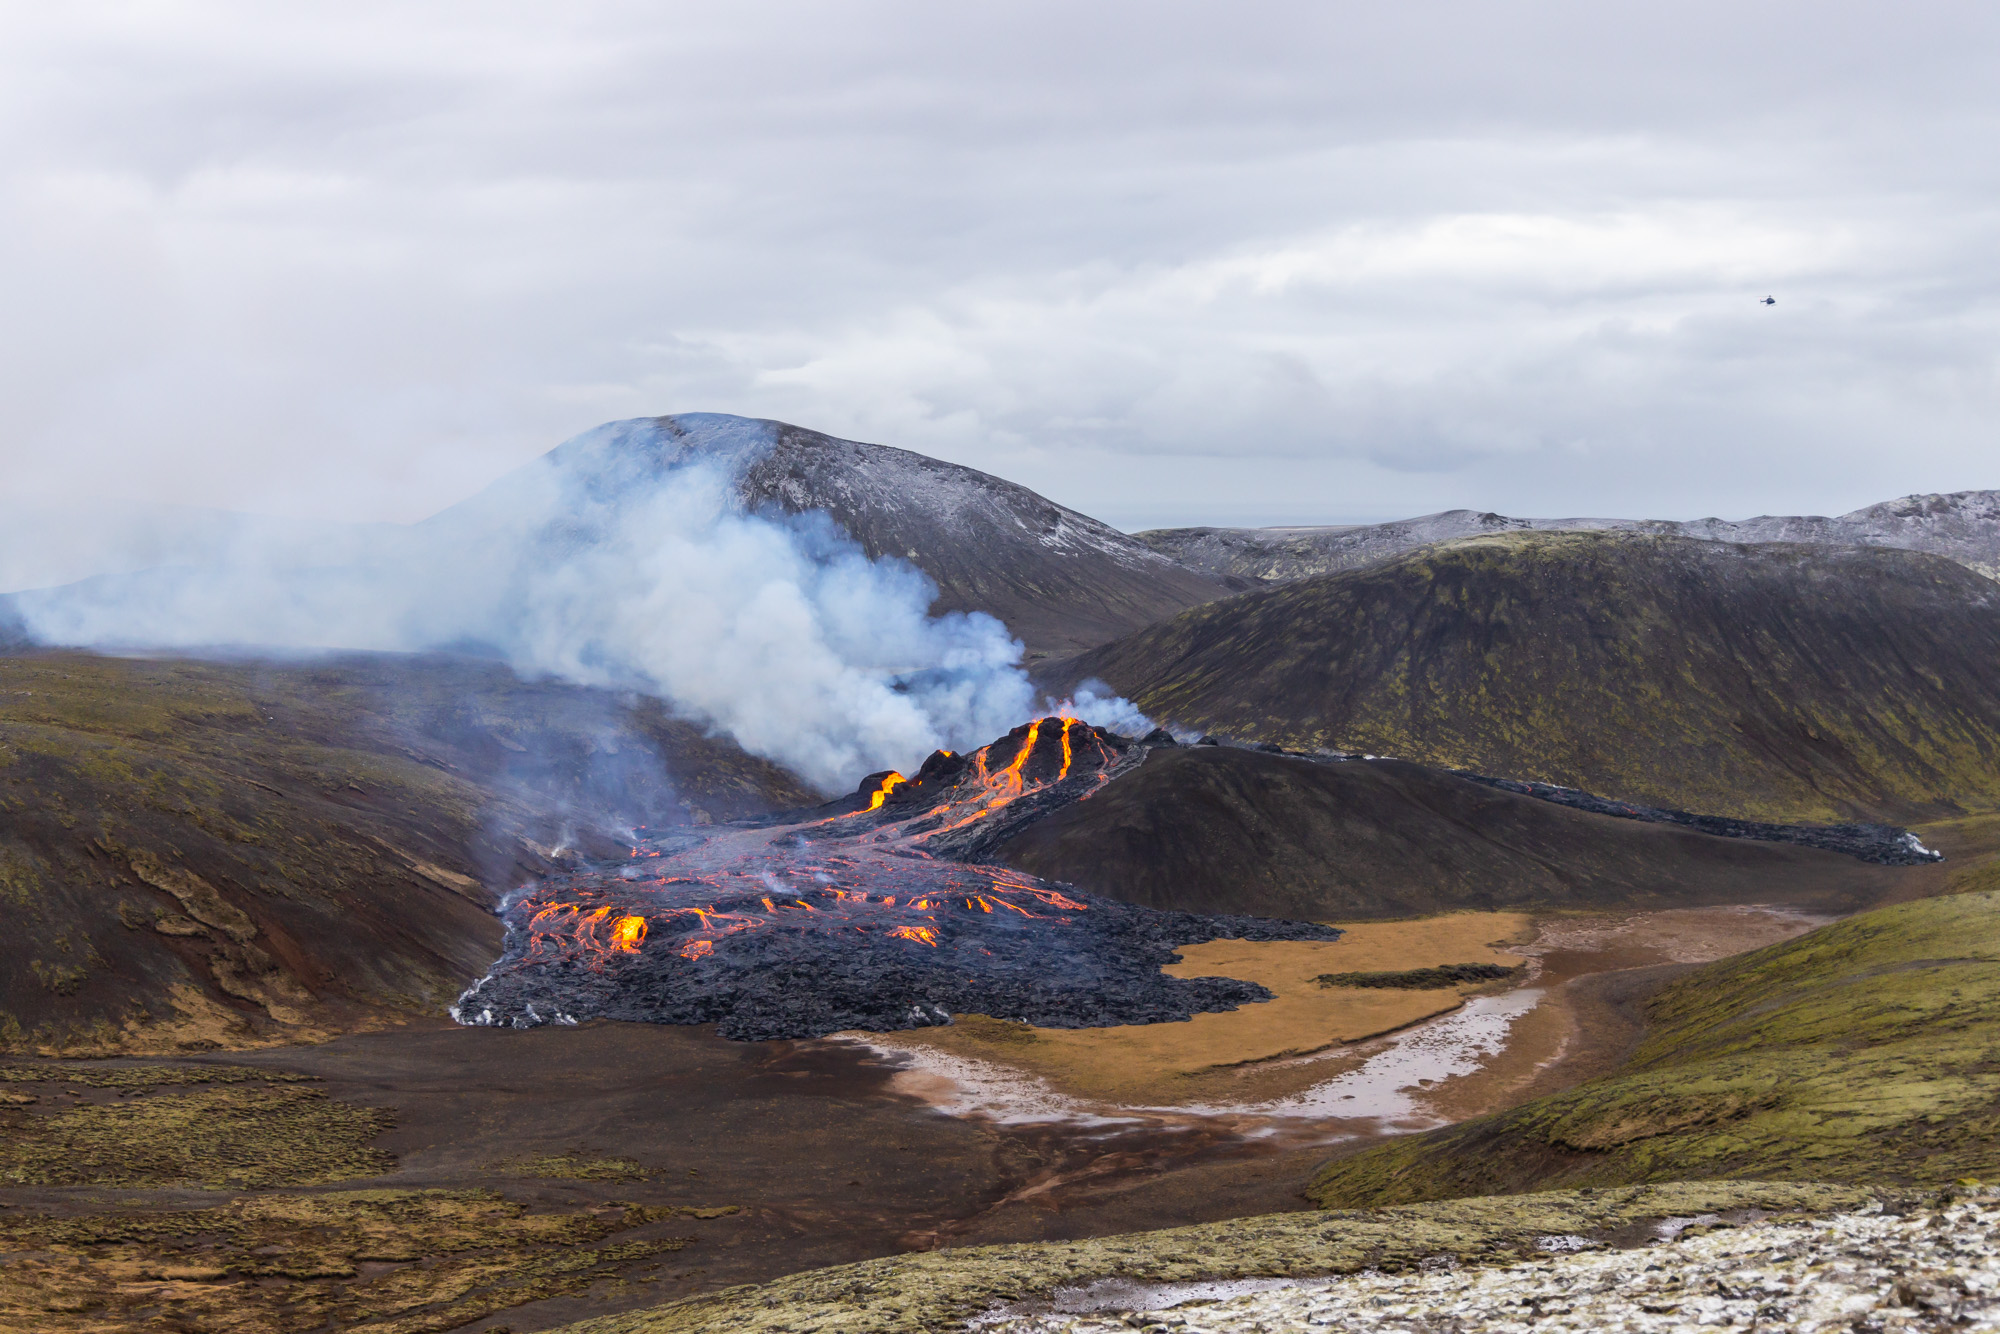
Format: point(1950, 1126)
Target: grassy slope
point(1219, 829)
point(1866, 1051)
point(1776, 682)
point(195, 854)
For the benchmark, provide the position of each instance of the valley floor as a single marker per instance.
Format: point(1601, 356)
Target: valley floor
point(433, 1178)
point(616, 1166)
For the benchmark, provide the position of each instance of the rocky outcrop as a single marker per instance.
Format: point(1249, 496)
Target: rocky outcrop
point(1925, 1269)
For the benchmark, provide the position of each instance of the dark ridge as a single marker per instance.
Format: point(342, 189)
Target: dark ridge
point(1061, 580)
point(1421, 979)
point(1881, 844)
point(1226, 829)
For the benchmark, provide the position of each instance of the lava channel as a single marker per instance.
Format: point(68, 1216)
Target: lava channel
point(876, 912)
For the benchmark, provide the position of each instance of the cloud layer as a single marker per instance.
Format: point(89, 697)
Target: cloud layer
point(1165, 262)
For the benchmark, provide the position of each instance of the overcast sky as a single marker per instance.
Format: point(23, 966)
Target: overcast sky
point(1167, 263)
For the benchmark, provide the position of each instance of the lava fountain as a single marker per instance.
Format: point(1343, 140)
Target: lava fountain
point(876, 912)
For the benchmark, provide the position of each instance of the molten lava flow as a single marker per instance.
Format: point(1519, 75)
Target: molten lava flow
point(881, 794)
point(824, 923)
point(1013, 772)
point(880, 883)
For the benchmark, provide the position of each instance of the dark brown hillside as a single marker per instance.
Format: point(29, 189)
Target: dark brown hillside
point(1771, 682)
point(203, 853)
point(1217, 829)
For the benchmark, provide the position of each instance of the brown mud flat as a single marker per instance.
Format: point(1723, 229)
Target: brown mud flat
point(690, 1163)
point(1232, 1138)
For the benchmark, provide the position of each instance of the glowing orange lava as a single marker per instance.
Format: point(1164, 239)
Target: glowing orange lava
point(881, 794)
point(835, 883)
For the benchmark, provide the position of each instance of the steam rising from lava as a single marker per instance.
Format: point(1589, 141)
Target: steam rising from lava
point(623, 559)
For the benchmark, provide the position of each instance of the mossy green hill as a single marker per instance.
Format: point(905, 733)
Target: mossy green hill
point(1773, 682)
point(1866, 1051)
point(201, 854)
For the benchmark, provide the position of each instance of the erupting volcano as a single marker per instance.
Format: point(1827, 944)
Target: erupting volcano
point(874, 912)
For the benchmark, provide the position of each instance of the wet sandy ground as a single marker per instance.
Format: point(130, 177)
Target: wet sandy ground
point(1574, 1014)
point(838, 1150)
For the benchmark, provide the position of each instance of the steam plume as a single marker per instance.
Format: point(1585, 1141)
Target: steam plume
point(624, 559)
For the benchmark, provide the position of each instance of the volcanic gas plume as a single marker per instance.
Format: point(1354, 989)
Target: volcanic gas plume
point(875, 912)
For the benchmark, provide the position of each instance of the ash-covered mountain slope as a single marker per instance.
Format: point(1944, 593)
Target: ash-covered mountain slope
point(234, 854)
point(1963, 526)
point(1778, 682)
point(1061, 580)
point(1220, 829)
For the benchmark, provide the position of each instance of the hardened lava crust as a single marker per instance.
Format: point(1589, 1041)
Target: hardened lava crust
point(872, 913)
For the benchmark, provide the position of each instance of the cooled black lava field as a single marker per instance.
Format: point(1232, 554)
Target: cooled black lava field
point(865, 915)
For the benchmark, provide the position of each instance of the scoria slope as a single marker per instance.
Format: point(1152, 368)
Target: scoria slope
point(1218, 829)
point(1963, 526)
point(1779, 682)
point(201, 854)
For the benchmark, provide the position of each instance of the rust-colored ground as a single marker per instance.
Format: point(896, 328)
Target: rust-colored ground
point(1163, 1064)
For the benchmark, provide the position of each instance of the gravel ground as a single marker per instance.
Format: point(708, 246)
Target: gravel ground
point(1937, 1269)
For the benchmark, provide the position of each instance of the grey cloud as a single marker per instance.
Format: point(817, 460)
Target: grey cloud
point(1285, 261)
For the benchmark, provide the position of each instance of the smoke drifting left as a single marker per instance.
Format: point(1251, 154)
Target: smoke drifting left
point(626, 559)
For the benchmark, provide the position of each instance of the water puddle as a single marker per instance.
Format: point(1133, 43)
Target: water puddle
point(1389, 1086)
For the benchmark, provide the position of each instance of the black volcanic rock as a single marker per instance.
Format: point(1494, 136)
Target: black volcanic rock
point(1098, 963)
point(1879, 844)
point(1222, 829)
point(1772, 682)
point(872, 912)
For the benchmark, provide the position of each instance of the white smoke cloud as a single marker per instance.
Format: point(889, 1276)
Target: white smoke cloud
point(624, 559)
point(1099, 705)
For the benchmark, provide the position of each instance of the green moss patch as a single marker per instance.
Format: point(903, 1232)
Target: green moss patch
point(144, 1076)
point(228, 1136)
point(1769, 682)
point(579, 1166)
